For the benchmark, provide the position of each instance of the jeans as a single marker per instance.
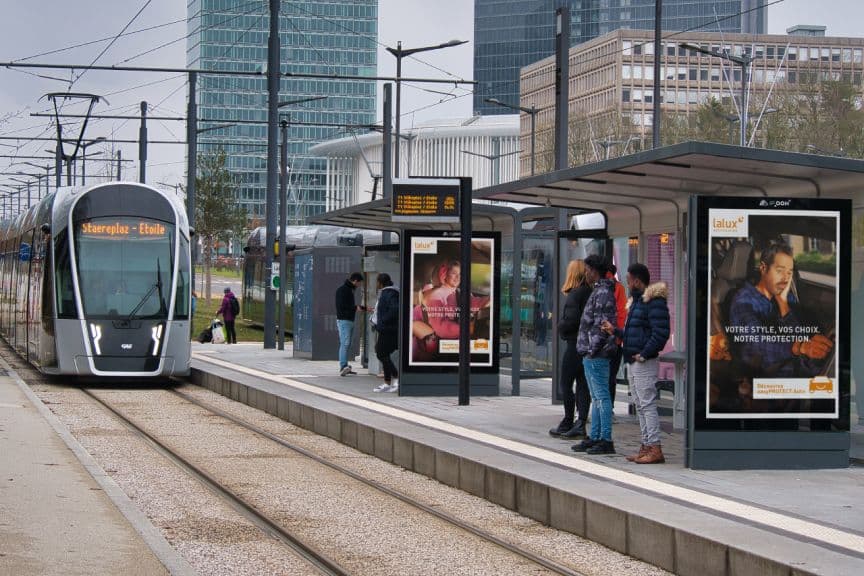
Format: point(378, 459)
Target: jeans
point(643, 382)
point(346, 334)
point(597, 373)
point(573, 370)
point(230, 332)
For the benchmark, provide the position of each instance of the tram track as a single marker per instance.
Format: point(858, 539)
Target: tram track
point(271, 526)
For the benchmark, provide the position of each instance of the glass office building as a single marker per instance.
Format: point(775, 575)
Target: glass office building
point(510, 34)
point(329, 37)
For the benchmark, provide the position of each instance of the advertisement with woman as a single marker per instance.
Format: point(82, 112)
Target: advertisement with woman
point(774, 310)
point(434, 274)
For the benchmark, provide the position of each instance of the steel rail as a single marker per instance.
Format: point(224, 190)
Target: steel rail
point(260, 520)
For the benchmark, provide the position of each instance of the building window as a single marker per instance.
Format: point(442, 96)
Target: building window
point(793, 53)
point(625, 95)
point(847, 55)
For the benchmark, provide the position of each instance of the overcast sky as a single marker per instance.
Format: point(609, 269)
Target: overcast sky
point(29, 28)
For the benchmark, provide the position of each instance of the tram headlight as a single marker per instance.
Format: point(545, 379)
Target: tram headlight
point(96, 333)
point(157, 337)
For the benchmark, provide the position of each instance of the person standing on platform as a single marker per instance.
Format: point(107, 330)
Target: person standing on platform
point(346, 311)
point(597, 347)
point(229, 310)
point(385, 321)
point(577, 291)
point(645, 335)
point(621, 307)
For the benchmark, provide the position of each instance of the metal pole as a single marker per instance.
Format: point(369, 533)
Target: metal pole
point(272, 169)
point(142, 145)
point(191, 166)
point(465, 294)
point(562, 84)
point(387, 151)
point(744, 101)
point(658, 29)
point(69, 162)
point(533, 137)
point(84, 167)
point(119, 164)
point(398, 105)
point(283, 216)
point(29, 202)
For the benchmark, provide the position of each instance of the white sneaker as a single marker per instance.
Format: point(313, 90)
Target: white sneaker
point(345, 371)
point(384, 387)
point(394, 387)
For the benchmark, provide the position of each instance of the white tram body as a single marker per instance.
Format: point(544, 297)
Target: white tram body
point(96, 283)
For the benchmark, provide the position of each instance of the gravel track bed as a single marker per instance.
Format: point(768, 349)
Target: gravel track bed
point(362, 529)
point(564, 548)
point(212, 537)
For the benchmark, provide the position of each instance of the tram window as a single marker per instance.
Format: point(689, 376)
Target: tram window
point(63, 276)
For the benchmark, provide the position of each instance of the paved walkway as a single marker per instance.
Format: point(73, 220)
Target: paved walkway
point(59, 513)
point(832, 498)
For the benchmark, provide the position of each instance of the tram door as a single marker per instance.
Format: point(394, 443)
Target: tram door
point(572, 245)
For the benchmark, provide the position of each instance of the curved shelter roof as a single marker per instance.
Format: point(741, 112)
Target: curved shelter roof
point(649, 191)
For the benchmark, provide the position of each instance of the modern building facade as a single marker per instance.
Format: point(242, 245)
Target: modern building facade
point(613, 75)
point(332, 37)
point(485, 148)
point(510, 34)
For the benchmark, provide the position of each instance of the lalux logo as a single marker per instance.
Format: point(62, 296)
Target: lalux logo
point(775, 203)
point(126, 346)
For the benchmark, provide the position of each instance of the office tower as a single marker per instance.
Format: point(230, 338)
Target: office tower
point(327, 37)
point(510, 34)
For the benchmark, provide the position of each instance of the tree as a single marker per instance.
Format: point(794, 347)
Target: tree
point(217, 212)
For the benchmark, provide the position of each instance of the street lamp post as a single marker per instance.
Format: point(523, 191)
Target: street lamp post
point(491, 158)
point(532, 111)
point(400, 53)
point(744, 61)
point(47, 174)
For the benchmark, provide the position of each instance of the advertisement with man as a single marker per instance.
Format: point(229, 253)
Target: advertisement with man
point(433, 276)
point(774, 304)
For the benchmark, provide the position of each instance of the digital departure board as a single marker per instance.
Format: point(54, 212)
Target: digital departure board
point(425, 200)
point(122, 228)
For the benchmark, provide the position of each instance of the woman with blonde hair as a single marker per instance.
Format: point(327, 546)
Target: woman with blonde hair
point(576, 289)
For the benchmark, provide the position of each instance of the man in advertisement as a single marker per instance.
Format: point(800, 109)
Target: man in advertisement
point(758, 308)
point(773, 315)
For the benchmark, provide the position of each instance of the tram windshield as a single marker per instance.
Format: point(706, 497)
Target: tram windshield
point(124, 266)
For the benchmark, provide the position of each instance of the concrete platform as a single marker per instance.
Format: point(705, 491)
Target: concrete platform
point(689, 522)
point(59, 513)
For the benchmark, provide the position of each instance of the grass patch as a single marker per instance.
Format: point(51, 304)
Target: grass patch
point(223, 272)
point(205, 312)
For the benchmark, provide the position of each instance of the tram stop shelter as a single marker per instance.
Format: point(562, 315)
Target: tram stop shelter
point(647, 204)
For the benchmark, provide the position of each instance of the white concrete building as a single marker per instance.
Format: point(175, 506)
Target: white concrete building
point(486, 148)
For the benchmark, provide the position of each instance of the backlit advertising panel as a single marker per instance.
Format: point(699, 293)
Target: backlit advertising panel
point(432, 276)
point(776, 290)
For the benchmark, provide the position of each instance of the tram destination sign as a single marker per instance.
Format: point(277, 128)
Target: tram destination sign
point(118, 228)
point(425, 200)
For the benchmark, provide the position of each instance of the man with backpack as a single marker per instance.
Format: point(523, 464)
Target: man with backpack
point(229, 310)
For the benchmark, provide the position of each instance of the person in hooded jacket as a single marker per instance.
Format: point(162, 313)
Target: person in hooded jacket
point(645, 335)
point(227, 313)
point(577, 291)
point(385, 320)
point(597, 347)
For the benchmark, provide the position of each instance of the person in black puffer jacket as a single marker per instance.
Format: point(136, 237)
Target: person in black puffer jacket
point(577, 290)
point(645, 335)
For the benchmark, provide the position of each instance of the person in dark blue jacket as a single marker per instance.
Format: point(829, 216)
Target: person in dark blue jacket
point(644, 335)
point(385, 321)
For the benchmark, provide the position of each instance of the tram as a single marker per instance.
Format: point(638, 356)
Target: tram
point(96, 283)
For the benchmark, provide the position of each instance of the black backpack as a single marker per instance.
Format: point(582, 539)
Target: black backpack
point(235, 306)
